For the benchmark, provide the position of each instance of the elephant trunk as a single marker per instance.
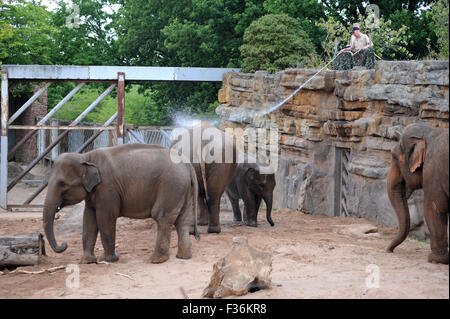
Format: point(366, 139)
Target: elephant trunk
point(397, 192)
point(50, 208)
point(268, 200)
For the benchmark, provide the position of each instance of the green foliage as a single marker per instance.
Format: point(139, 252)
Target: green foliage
point(138, 25)
point(27, 33)
point(389, 43)
point(75, 106)
point(6, 32)
point(89, 42)
point(439, 15)
point(348, 11)
point(204, 33)
point(421, 36)
point(409, 13)
point(194, 33)
point(305, 11)
point(274, 42)
point(137, 106)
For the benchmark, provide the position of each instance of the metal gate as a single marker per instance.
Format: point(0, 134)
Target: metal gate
point(70, 143)
point(115, 75)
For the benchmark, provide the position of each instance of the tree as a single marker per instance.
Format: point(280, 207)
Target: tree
point(88, 40)
point(307, 12)
point(439, 15)
point(409, 13)
point(85, 37)
point(348, 11)
point(27, 33)
point(6, 32)
point(138, 25)
point(194, 33)
point(275, 42)
point(421, 32)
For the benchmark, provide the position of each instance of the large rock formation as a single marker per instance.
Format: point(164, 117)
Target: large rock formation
point(335, 135)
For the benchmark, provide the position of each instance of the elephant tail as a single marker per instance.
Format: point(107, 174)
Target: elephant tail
point(194, 184)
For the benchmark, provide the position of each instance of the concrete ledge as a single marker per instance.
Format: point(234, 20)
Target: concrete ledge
point(109, 73)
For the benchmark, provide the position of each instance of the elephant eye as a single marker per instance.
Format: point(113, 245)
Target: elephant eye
point(62, 184)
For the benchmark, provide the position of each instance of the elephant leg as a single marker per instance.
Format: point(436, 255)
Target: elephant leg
point(437, 220)
point(161, 252)
point(214, 210)
point(250, 209)
point(204, 215)
point(237, 215)
point(107, 225)
point(90, 233)
point(258, 200)
point(182, 226)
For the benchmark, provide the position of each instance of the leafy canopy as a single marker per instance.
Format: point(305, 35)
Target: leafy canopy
point(275, 42)
point(207, 33)
point(27, 34)
point(439, 15)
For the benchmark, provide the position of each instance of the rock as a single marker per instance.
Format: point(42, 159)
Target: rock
point(242, 270)
point(363, 230)
point(361, 111)
point(413, 72)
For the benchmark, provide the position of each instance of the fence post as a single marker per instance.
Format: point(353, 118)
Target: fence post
point(53, 136)
point(120, 108)
point(4, 142)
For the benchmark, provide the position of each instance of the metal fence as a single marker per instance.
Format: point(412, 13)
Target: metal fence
point(76, 138)
point(116, 76)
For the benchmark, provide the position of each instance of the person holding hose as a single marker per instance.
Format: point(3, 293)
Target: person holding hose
point(359, 53)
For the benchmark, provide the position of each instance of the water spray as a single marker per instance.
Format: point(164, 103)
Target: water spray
point(273, 108)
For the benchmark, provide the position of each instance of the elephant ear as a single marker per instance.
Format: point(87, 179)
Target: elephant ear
point(91, 176)
point(417, 155)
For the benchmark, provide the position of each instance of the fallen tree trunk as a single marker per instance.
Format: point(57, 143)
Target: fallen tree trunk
point(23, 250)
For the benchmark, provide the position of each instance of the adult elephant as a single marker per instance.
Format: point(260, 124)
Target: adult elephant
point(420, 160)
point(213, 154)
point(251, 184)
point(131, 180)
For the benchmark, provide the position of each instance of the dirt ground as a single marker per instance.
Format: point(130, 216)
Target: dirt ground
point(312, 257)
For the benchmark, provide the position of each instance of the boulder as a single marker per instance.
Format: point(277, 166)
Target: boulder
point(242, 270)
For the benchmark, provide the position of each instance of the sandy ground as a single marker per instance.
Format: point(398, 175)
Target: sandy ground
point(312, 257)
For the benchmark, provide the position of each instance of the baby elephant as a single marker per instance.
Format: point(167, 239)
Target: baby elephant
point(131, 180)
point(250, 184)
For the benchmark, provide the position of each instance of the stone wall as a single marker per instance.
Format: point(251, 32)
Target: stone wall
point(336, 134)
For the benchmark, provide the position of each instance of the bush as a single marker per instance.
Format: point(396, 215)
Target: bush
point(274, 42)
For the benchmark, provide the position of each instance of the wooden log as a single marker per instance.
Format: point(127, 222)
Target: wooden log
point(22, 250)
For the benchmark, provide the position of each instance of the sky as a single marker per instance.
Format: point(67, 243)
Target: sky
point(52, 5)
